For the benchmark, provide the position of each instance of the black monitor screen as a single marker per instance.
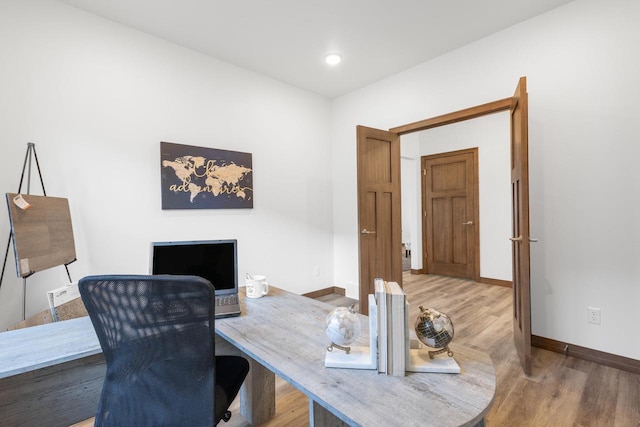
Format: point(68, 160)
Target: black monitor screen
point(215, 260)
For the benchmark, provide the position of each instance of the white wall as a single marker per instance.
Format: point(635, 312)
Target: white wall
point(411, 196)
point(97, 98)
point(581, 63)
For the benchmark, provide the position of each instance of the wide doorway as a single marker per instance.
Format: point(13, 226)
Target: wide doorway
point(491, 228)
point(388, 184)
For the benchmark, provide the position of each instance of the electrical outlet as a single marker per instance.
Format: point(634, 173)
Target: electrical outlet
point(593, 315)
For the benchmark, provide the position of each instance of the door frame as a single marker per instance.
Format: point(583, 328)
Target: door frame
point(493, 107)
point(505, 104)
point(522, 337)
point(455, 117)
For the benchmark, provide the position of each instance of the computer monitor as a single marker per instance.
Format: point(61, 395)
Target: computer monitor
point(214, 260)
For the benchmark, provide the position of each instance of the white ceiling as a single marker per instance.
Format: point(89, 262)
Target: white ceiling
point(288, 39)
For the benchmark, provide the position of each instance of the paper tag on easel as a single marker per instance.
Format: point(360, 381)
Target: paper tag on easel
point(21, 202)
point(24, 267)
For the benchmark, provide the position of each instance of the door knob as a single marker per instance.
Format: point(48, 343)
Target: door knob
point(468, 223)
point(532, 240)
point(365, 231)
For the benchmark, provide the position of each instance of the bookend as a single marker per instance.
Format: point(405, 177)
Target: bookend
point(359, 357)
point(419, 360)
point(416, 355)
point(404, 352)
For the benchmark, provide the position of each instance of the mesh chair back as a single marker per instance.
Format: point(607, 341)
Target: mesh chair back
point(157, 336)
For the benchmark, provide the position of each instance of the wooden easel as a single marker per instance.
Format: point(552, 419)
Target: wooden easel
point(30, 154)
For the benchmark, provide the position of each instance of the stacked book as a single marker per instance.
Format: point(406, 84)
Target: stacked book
point(397, 352)
point(392, 314)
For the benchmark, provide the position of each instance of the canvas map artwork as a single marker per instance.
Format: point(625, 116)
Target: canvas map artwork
point(205, 178)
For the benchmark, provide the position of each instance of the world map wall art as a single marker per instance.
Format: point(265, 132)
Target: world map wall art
point(205, 178)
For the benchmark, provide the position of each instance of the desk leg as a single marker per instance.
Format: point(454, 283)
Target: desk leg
point(258, 394)
point(320, 417)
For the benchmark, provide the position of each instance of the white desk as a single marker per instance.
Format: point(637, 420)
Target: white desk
point(52, 374)
point(284, 333)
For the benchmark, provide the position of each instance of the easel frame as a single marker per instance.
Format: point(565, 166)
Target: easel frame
point(29, 156)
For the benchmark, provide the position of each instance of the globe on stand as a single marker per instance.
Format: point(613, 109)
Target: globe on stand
point(434, 329)
point(342, 326)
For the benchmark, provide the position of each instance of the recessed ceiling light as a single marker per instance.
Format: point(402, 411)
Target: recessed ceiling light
point(333, 58)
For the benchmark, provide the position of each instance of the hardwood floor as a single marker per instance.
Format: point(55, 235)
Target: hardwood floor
point(563, 391)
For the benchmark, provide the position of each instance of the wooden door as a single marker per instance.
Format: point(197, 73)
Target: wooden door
point(450, 218)
point(379, 219)
point(521, 238)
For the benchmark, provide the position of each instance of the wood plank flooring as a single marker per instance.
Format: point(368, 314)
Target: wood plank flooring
point(563, 391)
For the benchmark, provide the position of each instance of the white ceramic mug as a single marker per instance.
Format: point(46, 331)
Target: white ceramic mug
point(257, 286)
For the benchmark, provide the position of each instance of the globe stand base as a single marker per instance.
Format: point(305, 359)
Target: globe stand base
point(343, 348)
point(358, 358)
point(446, 349)
point(420, 361)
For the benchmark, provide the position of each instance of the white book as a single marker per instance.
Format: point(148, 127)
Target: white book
point(373, 329)
point(381, 302)
point(397, 333)
point(388, 300)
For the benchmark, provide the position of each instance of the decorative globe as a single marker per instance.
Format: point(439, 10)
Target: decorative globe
point(434, 329)
point(342, 326)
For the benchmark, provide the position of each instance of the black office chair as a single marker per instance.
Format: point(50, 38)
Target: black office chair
point(158, 339)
